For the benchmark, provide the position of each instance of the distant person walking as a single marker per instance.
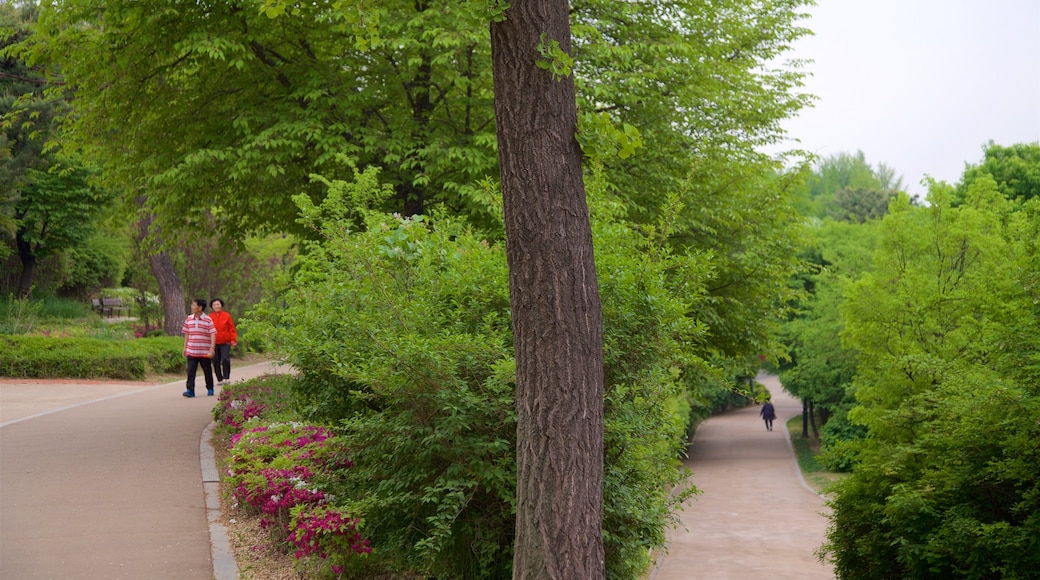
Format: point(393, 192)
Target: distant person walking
point(227, 337)
point(199, 342)
point(768, 413)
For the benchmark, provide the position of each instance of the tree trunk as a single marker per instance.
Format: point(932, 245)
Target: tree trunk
point(28, 258)
point(171, 292)
point(805, 418)
point(554, 298)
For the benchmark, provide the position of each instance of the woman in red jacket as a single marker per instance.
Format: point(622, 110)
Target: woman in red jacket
point(227, 337)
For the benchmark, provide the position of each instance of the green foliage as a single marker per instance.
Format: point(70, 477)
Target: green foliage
point(100, 260)
point(553, 58)
point(601, 139)
point(55, 209)
point(88, 358)
point(400, 331)
point(266, 396)
point(650, 359)
point(1015, 170)
point(19, 315)
point(840, 439)
point(946, 329)
point(25, 120)
point(820, 368)
point(62, 308)
point(846, 187)
point(259, 96)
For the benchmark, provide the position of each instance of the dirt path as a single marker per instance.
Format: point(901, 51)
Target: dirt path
point(756, 517)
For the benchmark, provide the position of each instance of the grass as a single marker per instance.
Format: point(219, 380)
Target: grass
point(806, 450)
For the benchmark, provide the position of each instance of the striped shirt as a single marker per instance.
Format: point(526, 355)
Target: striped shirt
point(198, 333)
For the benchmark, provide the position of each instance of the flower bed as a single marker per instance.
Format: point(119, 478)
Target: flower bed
point(279, 471)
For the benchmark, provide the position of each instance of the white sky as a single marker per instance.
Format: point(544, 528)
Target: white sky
point(920, 85)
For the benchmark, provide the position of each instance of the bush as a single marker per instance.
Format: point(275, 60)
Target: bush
point(266, 396)
point(401, 335)
point(88, 358)
point(278, 470)
point(840, 437)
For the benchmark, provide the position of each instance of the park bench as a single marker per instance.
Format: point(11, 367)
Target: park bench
point(114, 307)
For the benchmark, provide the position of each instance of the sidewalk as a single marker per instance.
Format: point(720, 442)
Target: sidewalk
point(756, 518)
point(104, 480)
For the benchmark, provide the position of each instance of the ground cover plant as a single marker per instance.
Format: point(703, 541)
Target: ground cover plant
point(806, 451)
point(277, 472)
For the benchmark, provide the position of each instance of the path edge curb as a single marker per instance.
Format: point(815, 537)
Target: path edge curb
point(224, 565)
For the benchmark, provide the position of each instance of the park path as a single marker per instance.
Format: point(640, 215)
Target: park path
point(104, 480)
point(756, 518)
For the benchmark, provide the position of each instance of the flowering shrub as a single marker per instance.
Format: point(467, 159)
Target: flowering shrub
point(280, 470)
point(260, 397)
point(327, 532)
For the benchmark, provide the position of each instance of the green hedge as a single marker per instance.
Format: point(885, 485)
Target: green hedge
point(89, 358)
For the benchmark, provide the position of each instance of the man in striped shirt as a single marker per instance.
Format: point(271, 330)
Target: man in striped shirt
point(200, 337)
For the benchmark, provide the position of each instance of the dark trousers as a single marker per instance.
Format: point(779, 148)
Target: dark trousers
point(223, 362)
point(207, 370)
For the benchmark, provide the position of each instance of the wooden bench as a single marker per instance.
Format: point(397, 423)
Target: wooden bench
point(114, 307)
point(95, 305)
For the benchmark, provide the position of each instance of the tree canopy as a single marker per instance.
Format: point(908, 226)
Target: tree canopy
point(944, 328)
point(217, 108)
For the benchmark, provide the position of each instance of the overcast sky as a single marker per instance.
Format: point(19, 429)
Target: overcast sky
point(921, 85)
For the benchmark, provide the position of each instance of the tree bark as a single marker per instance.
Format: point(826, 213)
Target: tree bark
point(171, 291)
point(28, 258)
point(554, 298)
point(805, 418)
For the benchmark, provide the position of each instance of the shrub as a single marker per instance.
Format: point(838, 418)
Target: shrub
point(266, 396)
point(280, 470)
point(88, 358)
point(401, 335)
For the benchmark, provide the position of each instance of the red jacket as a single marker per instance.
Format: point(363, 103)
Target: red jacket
point(225, 327)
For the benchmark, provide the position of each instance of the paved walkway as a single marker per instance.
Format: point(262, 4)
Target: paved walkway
point(104, 480)
point(756, 518)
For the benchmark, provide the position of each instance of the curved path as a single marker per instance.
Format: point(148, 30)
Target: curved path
point(104, 480)
point(756, 517)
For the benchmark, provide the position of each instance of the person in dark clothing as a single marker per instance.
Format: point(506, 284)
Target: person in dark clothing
point(768, 413)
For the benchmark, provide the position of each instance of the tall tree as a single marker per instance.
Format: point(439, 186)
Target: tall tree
point(171, 291)
point(48, 205)
point(554, 297)
point(947, 384)
point(57, 209)
point(217, 107)
point(844, 186)
point(1014, 168)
